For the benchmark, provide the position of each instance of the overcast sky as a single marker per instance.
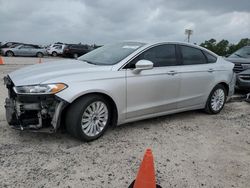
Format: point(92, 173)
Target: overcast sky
point(105, 21)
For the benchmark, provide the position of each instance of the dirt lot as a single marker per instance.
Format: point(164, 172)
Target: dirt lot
point(191, 149)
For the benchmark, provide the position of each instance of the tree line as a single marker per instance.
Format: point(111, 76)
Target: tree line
point(223, 47)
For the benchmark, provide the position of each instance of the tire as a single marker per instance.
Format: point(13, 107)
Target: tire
point(75, 55)
point(84, 126)
point(54, 54)
point(216, 100)
point(39, 54)
point(9, 54)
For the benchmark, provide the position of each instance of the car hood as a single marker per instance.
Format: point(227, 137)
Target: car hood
point(40, 73)
point(238, 60)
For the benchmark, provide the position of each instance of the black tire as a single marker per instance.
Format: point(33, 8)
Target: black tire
point(54, 54)
point(9, 53)
point(39, 54)
point(209, 109)
point(74, 117)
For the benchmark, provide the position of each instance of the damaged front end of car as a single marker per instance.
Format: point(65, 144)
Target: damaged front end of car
point(40, 112)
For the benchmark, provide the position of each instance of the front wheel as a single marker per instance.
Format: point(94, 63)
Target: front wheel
point(88, 117)
point(39, 54)
point(216, 100)
point(9, 54)
point(54, 54)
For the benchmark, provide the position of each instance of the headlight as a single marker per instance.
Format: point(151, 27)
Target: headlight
point(40, 89)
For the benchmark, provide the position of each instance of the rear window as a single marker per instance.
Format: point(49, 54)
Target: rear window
point(210, 57)
point(192, 56)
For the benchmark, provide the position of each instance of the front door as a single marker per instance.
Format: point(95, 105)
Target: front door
point(156, 90)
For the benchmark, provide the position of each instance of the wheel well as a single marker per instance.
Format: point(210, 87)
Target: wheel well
point(114, 113)
point(225, 85)
point(9, 51)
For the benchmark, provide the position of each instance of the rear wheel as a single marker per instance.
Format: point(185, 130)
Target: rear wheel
point(75, 55)
point(9, 53)
point(39, 54)
point(216, 100)
point(54, 54)
point(88, 117)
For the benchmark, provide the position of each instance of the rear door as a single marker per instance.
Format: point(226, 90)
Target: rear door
point(59, 49)
point(33, 50)
point(156, 90)
point(197, 76)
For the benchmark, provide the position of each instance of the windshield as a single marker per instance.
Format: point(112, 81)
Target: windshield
point(111, 54)
point(242, 53)
point(14, 45)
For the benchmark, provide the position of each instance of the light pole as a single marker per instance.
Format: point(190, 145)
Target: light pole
point(188, 32)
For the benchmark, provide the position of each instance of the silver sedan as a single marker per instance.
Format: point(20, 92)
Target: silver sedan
point(24, 50)
point(116, 84)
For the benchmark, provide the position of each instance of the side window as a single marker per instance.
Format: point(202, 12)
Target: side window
point(163, 55)
point(26, 47)
point(30, 47)
point(58, 47)
point(78, 47)
point(210, 58)
point(9, 44)
point(192, 56)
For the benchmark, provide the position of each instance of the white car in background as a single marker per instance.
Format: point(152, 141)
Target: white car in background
point(55, 49)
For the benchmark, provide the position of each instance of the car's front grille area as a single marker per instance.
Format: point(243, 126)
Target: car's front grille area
point(238, 68)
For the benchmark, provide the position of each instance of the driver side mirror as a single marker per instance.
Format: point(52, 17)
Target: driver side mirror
point(143, 65)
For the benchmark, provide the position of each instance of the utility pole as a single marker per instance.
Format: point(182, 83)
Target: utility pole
point(188, 32)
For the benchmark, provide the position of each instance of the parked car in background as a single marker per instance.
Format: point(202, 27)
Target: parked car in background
point(241, 60)
point(76, 50)
point(117, 84)
point(24, 50)
point(56, 49)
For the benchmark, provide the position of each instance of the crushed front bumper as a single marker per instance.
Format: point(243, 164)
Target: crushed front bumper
point(33, 112)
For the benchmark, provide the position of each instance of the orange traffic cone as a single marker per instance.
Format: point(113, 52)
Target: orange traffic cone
point(146, 174)
point(1, 61)
point(40, 60)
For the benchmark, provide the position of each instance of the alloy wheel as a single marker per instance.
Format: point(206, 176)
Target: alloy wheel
point(94, 118)
point(218, 99)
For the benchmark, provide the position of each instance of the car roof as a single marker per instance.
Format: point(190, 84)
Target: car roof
point(151, 43)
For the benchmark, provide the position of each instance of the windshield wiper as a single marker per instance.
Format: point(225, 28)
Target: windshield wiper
point(89, 62)
point(238, 55)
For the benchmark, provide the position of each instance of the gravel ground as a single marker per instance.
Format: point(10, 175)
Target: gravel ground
point(191, 149)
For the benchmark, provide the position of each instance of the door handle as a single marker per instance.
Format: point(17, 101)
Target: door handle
point(210, 70)
point(172, 73)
